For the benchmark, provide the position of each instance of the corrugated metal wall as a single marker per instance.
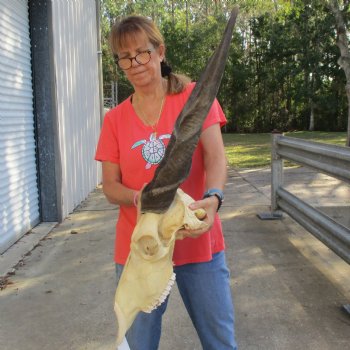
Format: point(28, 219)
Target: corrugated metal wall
point(77, 83)
point(19, 208)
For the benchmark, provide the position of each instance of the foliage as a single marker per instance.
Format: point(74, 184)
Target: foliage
point(282, 71)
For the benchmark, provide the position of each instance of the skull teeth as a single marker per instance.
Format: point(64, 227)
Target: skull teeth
point(163, 296)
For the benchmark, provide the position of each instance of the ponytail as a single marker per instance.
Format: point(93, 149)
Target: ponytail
point(176, 82)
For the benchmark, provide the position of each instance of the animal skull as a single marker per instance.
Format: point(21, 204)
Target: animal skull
point(148, 273)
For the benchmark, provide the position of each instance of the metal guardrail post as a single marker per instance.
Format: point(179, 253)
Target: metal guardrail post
point(276, 179)
point(276, 171)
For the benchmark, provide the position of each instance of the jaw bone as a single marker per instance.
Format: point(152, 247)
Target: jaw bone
point(148, 273)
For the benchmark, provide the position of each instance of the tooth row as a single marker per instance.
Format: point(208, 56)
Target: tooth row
point(163, 295)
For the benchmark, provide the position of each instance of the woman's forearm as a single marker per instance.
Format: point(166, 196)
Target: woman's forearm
point(114, 190)
point(216, 172)
point(116, 193)
point(215, 162)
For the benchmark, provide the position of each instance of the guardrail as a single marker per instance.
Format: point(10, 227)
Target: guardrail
point(328, 159)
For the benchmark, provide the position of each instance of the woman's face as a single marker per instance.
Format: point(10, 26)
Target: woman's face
point(142, 75)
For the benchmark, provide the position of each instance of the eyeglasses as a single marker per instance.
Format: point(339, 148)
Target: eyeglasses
point(126, 63)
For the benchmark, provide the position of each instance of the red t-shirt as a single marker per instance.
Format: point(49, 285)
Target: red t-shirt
point(126, 141)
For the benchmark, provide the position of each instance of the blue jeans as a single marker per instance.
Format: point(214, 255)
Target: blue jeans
point(205, 291)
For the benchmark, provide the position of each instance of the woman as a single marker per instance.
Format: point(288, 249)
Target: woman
point(129, 161)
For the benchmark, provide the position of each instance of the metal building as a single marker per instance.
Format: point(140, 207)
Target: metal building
point(50, 110)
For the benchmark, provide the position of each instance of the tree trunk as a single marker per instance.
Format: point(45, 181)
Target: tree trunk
point(311, 102)
point(173, 12)
point(276, 5)
point(347, 88)
point(312, 116)
point(343, 45)
point(186, 16)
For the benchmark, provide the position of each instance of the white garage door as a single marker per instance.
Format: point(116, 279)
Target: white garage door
point(19, 203)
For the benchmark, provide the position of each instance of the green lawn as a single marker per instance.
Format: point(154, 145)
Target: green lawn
point(254, 150)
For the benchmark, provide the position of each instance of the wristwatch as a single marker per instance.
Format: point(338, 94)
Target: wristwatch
point(217, 193)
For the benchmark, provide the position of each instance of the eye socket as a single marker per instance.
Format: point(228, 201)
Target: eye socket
point(172, 220)
point(148, 245)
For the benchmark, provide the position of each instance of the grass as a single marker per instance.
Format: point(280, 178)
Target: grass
point(254, 150)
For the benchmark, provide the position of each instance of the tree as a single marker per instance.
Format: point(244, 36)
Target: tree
point(343, 45)
point(282, 70)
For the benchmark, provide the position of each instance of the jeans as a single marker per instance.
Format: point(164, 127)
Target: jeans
point(205, 291)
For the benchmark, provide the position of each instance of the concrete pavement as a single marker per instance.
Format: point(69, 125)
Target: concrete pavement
point(288, 287)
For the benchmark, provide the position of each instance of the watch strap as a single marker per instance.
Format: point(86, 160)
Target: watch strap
point(217, 193)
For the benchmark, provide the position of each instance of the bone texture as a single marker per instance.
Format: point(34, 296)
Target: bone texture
point(148, 274)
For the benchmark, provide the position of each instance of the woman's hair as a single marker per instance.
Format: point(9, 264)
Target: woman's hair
point(128, 28)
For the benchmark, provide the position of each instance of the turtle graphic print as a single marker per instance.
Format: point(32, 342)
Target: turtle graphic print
point(152, 150)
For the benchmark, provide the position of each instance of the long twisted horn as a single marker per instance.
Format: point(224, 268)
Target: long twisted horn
point(175, 166)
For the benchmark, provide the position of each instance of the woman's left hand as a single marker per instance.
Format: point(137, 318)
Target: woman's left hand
point(210, 205)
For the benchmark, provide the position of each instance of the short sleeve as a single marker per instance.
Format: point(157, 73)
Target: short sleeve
point(108, 147)
point(215, 115)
